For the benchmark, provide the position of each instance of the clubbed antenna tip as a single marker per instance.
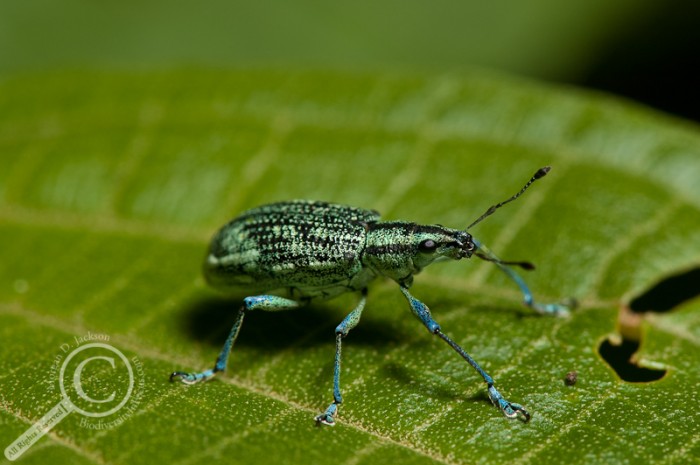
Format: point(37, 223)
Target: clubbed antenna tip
point(541, 172)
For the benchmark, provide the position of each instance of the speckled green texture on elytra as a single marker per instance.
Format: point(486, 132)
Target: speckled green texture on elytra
point(311, 247)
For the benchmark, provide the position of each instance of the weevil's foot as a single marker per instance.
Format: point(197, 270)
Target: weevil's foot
point(509, 409)
point(513, 411)
point(328, 417)
point(325, 419)
point(557, 309)
point(191, 378)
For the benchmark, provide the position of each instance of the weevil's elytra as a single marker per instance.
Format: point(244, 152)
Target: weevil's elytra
point(312, 247)
point(288, 253)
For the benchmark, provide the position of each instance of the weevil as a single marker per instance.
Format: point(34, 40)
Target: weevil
point(289, 253)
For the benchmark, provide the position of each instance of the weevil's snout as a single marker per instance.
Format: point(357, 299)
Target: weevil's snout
point(449, 244)
point(466, 245)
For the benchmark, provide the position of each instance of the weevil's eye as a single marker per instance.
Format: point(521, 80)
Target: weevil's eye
point(427, 245)
point(471, 246)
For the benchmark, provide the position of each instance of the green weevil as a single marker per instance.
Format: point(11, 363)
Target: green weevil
point(288, 253)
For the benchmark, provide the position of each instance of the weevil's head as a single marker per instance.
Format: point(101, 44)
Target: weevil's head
point(400, 249)
point(436, 243)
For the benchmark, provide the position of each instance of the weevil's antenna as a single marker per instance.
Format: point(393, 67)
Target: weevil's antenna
point(539, 174)
point(492, 258)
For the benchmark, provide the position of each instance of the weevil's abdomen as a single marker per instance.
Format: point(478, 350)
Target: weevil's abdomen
point(311, 247)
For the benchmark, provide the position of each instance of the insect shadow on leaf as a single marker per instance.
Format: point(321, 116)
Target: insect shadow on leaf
point(315, 323)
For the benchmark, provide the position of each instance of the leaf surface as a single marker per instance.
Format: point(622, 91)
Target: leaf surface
point(112, 184)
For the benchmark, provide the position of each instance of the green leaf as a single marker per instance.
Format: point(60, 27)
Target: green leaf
point(111, 185)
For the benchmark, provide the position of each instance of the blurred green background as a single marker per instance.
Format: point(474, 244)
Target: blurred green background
point(644, 49)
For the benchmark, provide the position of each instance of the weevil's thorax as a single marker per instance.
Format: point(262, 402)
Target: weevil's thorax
point(399, 249)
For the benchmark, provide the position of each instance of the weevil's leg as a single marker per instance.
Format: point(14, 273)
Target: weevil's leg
point(509, 409)
point(342, 330)
point(258, 302)
point(556, 309)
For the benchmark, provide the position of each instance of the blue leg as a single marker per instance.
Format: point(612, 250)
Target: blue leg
point(509, 409)
point(258, 302)
point(342, 330)
point(544, 309)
